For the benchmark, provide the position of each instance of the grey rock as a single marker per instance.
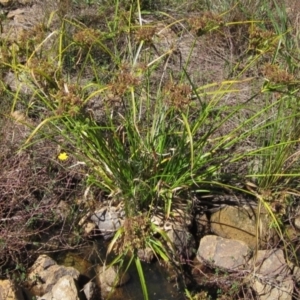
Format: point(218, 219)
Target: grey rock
point(273, 280)
point(182, 240)
point(42, 263)
point(223, 253)
point(111, 276)
point(18, 83)
point(108, 220)
point(91, 291)
point(268, 262)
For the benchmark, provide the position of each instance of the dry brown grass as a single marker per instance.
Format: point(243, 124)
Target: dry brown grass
point(32, 183)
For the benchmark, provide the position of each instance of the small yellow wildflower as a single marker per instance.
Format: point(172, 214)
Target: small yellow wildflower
point(63, 156)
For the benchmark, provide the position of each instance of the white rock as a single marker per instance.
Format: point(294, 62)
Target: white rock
point(44, 274)
point(65, 289)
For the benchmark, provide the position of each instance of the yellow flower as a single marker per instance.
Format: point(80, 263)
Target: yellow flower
point(63, 156)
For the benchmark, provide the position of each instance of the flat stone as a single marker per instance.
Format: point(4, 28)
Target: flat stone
point(18, 83)
point(223, 253)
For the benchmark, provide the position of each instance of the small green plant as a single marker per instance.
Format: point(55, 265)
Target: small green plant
point(19, 273)
point(234, 289)
point(199, 296)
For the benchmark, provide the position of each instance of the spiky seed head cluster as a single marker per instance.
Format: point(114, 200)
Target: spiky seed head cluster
point(262, 40)
point(276, 75)
point(87, 37)
point(201, 24)
point(177, 95)
point(35, 35)
point(124, 79)
point(44, 71)
point(68, 99)
point(144, 33)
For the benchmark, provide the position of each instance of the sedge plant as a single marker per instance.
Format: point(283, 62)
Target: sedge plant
point(156, 141)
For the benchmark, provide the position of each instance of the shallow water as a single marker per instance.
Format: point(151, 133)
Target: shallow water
point(158, 285)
